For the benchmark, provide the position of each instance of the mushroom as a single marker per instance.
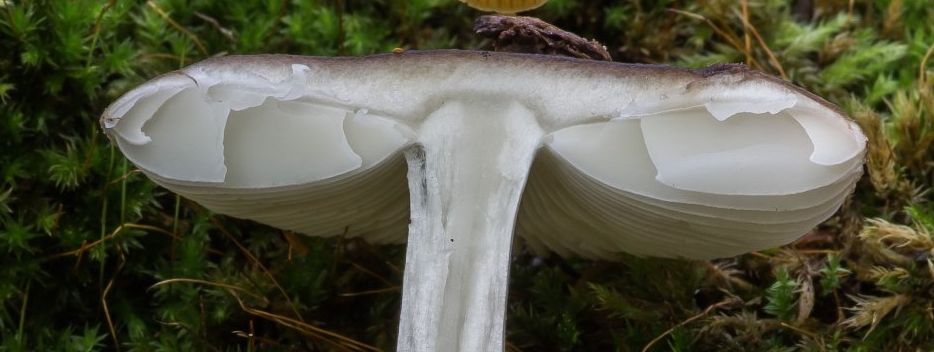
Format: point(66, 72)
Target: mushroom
point(505, 7)
point(580, 157)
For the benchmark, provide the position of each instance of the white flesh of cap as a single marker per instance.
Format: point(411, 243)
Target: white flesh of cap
point(641, 159)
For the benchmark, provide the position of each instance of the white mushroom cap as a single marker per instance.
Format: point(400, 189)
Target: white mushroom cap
point(604, 158)
point(645, 159)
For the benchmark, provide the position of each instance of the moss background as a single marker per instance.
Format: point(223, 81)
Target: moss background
point(93, 256)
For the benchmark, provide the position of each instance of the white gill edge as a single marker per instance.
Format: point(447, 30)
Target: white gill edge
point(598, 221)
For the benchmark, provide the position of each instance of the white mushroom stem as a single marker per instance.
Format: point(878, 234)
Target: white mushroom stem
point(466, 181)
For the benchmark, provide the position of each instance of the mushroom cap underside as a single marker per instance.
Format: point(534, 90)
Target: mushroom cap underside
point(651, 160)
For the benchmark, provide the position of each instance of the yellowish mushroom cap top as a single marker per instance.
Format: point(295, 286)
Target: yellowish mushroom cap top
point(504, 6)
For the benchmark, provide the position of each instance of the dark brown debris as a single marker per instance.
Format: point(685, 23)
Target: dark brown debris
point(520, 34)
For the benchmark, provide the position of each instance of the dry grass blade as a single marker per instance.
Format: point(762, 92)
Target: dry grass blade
point(262, 267)
point(95, 32)
point(371, 292)
point(336, 339)
point(922, 70)
point(22, 312)
point(371, 273)
point(727, 301)
point(228, 287)
point(227, 33)
point(295, 245)
point(744, 4)
point(773, 60)
point(253, 339)
point(892, 19)
point(734, 41)
point(106, 307)
point(512, 347)
point(165, 16)
point(116, 232)
point(811, 335)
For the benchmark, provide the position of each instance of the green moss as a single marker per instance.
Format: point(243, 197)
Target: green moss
point(85, 237)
